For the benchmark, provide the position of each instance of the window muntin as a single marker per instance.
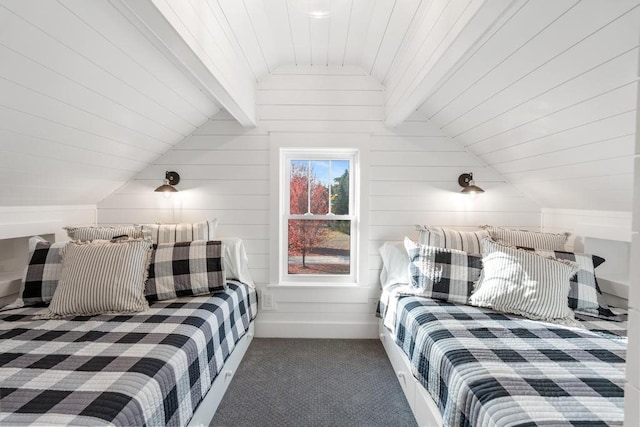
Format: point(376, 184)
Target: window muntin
point(319, 221)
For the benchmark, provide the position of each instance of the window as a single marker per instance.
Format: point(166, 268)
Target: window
point(319, 223)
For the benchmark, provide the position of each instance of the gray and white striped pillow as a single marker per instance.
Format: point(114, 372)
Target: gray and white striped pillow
point(583, 294)
point(182, 232)
point(101, 277)
point(468, 241)
point(103, 232)
point(528, 239)
point(525, 283)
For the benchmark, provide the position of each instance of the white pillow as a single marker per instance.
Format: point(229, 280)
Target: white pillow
point(395, 264)
point(236, 261)
point(525, 283)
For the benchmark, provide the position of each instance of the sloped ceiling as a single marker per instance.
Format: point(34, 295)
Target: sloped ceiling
point(87, 102)
point(543, 92)
point(549, 101)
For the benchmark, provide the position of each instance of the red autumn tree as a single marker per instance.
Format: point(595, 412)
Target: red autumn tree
point(304, 234)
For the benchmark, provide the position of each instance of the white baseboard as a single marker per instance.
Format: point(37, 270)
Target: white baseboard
point(282, 329)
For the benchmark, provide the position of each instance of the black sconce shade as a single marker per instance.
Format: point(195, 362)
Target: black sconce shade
point(468, 185)
point(170, 179)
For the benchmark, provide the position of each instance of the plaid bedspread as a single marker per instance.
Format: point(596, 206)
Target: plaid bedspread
point(485, 368)
point(151, 368)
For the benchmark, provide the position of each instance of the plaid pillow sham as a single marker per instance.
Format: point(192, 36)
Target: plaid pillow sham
point(184, 269)
point(42, 273)
point(445, 274)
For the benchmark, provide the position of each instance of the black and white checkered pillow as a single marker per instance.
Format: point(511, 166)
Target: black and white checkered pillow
point(185, 268)
point(439, 273)
point(43, 272)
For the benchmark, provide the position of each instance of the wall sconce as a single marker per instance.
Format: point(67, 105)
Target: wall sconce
point(170, 179)
point(468, 185)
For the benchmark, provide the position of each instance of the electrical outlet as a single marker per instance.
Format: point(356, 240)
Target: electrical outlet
point(267, 301)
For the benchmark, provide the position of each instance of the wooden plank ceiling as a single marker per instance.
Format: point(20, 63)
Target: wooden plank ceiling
point(542, 92)
point(545, 93)
point(366, 33)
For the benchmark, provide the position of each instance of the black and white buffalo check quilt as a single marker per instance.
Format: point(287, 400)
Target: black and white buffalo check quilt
point(151, 368)
point(485, 368)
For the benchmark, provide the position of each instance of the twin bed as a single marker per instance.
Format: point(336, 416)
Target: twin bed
point(468, 366)
point(460, 364)
point(75, 350)
point(150, 368)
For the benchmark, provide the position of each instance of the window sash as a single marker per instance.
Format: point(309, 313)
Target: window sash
point(302, 155)
point(314, 217)
point(311, 156)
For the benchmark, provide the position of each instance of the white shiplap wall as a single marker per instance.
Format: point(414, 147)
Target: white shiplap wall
point(549, 101)
point(412, 170)
point(87, 102)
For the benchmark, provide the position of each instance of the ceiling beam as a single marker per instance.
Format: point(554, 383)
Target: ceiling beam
point(183, 35)
point(435, 51)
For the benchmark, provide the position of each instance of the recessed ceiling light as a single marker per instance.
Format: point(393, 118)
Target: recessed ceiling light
point(320, 9)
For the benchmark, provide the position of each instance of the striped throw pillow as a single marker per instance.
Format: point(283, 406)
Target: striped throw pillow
point(583, 294)
point(468, 241)
point(99, 232)
point(528, 239)
point(525, 283)
point(101, 277)
point(185, 268)
point(439, 273)
point(182, 232)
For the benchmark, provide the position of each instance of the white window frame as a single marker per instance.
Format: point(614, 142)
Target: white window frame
point(288, 154)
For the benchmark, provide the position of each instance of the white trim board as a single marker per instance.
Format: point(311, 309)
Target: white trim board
point(25, 221)
point(607, 225)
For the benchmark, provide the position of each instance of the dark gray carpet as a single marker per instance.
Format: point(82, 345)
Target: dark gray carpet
point(314, 382)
